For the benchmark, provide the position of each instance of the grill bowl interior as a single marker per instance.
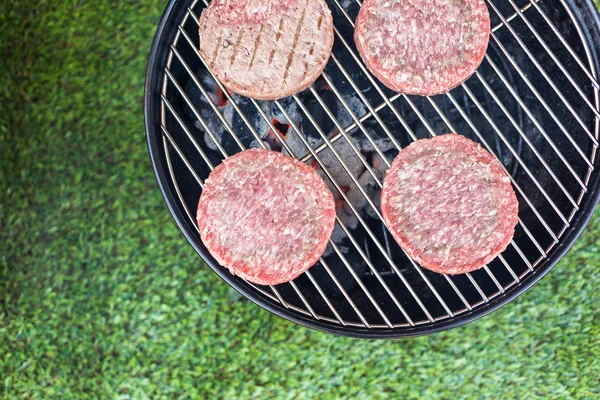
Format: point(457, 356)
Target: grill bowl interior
point(533, 103)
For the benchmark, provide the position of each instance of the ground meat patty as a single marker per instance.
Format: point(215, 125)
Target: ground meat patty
point(266, 49)
point(449, 204)
point(265, 216)
point(422, 47)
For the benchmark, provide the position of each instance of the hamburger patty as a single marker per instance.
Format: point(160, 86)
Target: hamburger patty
point(422, 47)
point(449, 204)
point(266, 49)
point(265, 216)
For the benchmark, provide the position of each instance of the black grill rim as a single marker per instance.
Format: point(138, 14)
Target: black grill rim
point(165, 32)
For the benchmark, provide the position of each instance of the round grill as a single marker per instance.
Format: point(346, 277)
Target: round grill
point(533, 103)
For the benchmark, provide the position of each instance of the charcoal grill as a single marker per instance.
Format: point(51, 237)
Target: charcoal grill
point(534, 103)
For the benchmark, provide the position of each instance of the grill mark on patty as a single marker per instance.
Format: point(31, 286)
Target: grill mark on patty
point(279, 30)
point(256, 44)
point(236, 47)
point(271, 56)
point(319, 22)
point(214, 56)
point(296, 37)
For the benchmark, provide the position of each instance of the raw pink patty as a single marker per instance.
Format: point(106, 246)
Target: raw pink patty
point(449, 204)
point(266, 49)
point(265, 216)
point(422, 47)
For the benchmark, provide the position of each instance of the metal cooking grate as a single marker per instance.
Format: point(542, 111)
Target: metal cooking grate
point(533, 103)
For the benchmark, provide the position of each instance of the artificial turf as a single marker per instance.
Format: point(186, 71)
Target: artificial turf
point(102, 297)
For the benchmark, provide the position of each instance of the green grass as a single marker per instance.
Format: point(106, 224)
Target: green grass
point(102, 297)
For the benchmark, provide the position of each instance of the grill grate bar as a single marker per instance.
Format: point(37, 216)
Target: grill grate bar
point(555, 59)
point(303, 299)
point(329, 143)
point(217, 111)
point(525, 138)
point(486, 267)
point(188, 134)
point(508, 268)
point(210, 102)
point(180, 153)
point(521, 223)
point(325, 298)
point(365, 195)
point(370, 78)
point(474, 283)
point(513, 16)
point(362, 285)
point(359, 124)
point(518, 249)
point(170, 167)
point(341, 288)
point(338, 135)
point(354, 211)
point(547, 77)
point(196, 113)
point(221, 87)
point(458, 292)
point(538, 97)
point(542, 130)
point(380, 278)
point(367, 104)
point(515, 154)
point(279, 298)
point(419, 115)
point(386, 239)
point(306, 313)
point(514, 182)
point(564, 42)
point(491, 275)
point(352, 114)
